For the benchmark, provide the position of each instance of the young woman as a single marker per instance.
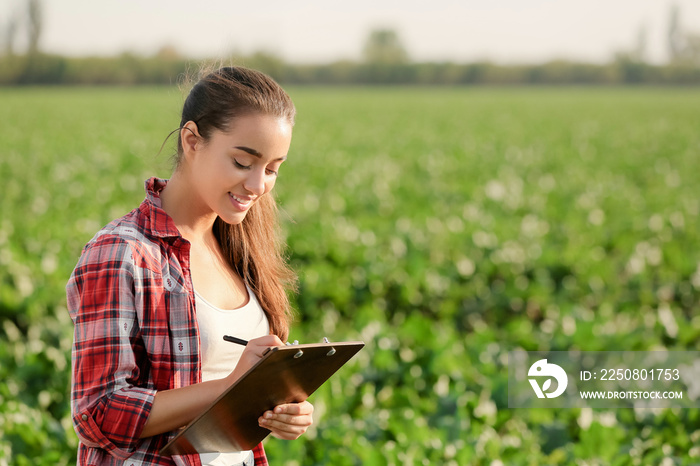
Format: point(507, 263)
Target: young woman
point(155, 291)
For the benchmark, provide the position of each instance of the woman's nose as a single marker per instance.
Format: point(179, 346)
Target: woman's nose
point(255, 182)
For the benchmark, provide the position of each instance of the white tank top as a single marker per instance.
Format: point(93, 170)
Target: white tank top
point(220, 357)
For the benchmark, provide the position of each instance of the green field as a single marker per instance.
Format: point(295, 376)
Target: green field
point(442, 226)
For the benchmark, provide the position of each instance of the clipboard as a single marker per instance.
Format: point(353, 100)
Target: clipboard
point(286, 374)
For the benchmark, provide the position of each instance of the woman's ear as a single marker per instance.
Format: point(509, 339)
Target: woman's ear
point(189, 136)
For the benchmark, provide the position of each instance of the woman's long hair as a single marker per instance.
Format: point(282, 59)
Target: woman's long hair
point(254, 247)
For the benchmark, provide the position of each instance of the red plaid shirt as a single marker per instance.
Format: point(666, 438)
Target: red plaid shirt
point(132, 303)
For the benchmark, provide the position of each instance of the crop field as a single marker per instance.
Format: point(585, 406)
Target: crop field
point(442, 226)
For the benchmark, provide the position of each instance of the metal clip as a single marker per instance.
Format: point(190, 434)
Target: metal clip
point(330, 352)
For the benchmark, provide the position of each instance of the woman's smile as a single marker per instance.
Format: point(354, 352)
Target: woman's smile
point(241, 203)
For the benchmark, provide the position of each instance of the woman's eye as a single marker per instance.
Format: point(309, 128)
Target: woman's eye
point(271, 172)
point(240, 165)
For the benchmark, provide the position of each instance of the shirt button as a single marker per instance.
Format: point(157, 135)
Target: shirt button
point(85, 417)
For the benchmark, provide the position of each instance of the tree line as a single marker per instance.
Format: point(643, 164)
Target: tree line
point(131, 69)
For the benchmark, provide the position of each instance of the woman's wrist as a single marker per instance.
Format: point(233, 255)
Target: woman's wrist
point(177, 407)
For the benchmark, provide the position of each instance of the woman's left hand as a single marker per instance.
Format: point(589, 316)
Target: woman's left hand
point(288, 421)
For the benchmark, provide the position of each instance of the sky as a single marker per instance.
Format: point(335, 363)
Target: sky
point(317, 31)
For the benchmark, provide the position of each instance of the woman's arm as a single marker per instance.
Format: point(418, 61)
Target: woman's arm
point(109, 405)
point(175, 408)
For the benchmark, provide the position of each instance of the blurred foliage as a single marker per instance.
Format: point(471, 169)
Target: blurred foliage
point(385, 63)
point(384, 46)
point(444, 227)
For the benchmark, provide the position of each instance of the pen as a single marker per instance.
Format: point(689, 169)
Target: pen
point(240, 341)
point(243, 342)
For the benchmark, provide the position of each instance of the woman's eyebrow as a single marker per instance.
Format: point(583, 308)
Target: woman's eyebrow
point(255, 153)
point(250, 151)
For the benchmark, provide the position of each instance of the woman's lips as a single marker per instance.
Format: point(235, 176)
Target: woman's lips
point(240, 202)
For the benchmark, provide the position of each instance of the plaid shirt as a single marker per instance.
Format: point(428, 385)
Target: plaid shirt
point(132, 303)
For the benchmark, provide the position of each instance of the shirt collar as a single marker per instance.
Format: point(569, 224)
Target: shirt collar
point(157, 221)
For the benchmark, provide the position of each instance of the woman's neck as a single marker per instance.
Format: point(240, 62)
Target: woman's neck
point(193, 221)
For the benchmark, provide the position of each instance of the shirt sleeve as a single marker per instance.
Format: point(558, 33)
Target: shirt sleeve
point(109, 400)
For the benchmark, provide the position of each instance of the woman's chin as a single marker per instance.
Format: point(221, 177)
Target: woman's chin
point(233, 218)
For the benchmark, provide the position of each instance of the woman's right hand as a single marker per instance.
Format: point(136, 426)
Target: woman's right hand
point(254, 350)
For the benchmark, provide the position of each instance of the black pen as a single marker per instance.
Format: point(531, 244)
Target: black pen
point(243, 342)
point(240, 341)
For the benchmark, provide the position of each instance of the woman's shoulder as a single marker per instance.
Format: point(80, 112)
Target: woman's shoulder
point(119, 231)
point(125, 239)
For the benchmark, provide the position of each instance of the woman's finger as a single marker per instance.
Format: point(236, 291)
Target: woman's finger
point(288, 421)
point(294, 408)
point(286, 430)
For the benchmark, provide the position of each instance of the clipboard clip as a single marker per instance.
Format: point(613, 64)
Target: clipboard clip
point(300, 353)
point(331, 352)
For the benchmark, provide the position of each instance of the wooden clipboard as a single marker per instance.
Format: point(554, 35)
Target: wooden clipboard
point(286, 374)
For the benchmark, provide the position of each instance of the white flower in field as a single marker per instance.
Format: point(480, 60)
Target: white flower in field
point(531, 226)
point(656, 223)
point(585, 418)
point(465, 267)
point(442, 387)
point(668, 320)
point(654, 256)
point(23, 282)
point(484, 240)
point(596, 217)
point(485, 408)
point(607, 419)
point(398, 246)
point(495, 190)
point(695, 279)
point(455, 224)
point(511, 253)
point(568, 325)
point(677, 220)
point(693, 370)
point(635, 265)
point(49, 263)
point(368, 238)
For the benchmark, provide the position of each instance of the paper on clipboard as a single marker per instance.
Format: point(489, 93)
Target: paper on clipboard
point(286, 374)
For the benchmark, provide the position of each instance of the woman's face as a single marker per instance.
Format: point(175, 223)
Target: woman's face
point(233, 169)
